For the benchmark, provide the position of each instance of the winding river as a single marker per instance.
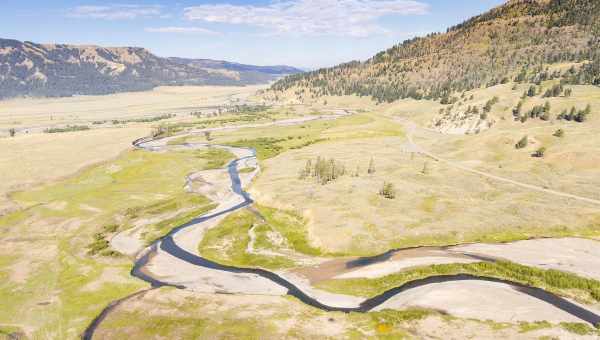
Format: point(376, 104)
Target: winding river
point(168, 244)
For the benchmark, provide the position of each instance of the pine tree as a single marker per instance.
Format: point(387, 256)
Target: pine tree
point(522, 143)
point(559, 133)
point(371, 169)
point(388, 190)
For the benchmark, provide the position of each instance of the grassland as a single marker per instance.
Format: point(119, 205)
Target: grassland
point(24, 113)
point(445, 205)
point(187, 315)
point(282, 234)
point(54, 283)
point(562, 283)
point(38, 158)
point(58, 271)
point(271, 141)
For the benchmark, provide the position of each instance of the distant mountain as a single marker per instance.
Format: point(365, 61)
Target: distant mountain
point(513, 42)
point(30, 69)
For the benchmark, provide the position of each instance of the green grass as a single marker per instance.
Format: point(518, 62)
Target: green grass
point(164, 227)
point(68, 128)
point(552, 280)
point(216, 158)
point(494, 235)
point(274, 140)
point(391, 324)
point(185, 319)
point(246, 170)
point(64, 220)
point(525, 327)
point(579, 328)
point(227, 243)
point(265, 147)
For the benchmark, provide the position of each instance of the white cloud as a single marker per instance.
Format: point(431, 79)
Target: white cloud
point(182, 30)
point(356, 18)
point(116, 12)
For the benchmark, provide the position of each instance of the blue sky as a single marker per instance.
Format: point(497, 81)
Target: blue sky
point(304, 33)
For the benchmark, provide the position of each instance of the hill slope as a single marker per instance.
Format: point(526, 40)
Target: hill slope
point(514, 41)
point(32, 69)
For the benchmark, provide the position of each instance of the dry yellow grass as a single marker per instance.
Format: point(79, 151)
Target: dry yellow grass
point(44, 111)
point(448, 204)
point(38, 158)
point(443, 205)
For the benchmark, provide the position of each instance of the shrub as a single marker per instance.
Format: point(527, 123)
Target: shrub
point(388, 190)
point(559, 133)
point(12, 132)
point(522, 143)
point(539, 153)
point(371, 169)
point(68, 128)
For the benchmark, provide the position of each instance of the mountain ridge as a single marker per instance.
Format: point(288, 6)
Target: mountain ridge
point(32, 69)
point(514, 41)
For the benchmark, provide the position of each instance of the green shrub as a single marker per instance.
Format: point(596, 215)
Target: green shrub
point(522, 143)
point(539, 153)
point(388, 190)
point(68, 128)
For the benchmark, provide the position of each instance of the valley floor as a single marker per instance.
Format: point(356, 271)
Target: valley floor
point(479, 239)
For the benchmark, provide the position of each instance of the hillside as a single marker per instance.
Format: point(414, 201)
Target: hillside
point(30, 69)
point(513, 42)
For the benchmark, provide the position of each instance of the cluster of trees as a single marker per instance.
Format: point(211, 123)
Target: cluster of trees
point(490, 104)
point(539, 111)
point(388, 190)
point(68, 128)
point(142, 120)
point(557, 90)
point(165, 130)
point(323, 170)
point(579, 116)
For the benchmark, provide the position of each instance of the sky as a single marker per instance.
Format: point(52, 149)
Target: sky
point(302, 33)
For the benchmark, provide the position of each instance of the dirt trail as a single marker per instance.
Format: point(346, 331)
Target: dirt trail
point(412, 127)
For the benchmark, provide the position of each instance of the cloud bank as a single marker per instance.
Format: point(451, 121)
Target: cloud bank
point(181, 30)
point(354, 18)
point(116, 12)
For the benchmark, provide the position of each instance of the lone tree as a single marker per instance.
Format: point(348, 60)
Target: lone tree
point(388, 190)
point(559, 133)
point(568, 92)
point(207, 135)
point(371, 169)
point(539, 153)
point(12, 132)
point(522, 143)
point(425, 169)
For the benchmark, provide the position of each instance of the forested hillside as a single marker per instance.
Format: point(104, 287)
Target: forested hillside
point(513, 42)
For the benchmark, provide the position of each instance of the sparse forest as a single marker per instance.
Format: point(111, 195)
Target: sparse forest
point(323, 170)
point(512, 42)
